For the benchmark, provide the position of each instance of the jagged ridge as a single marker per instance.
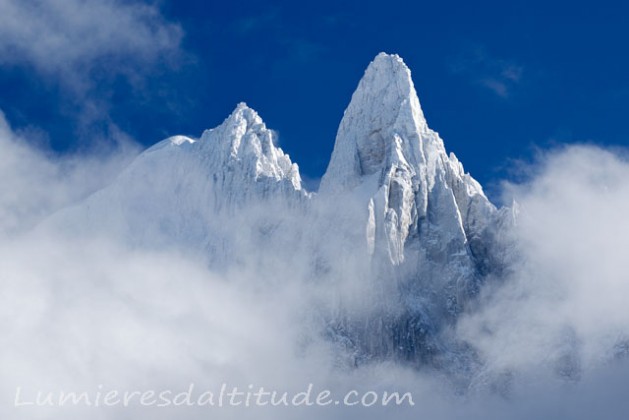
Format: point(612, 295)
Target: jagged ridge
point(413, 228)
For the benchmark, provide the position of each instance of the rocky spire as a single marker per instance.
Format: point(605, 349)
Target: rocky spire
point(383, 123)
point(386, 156)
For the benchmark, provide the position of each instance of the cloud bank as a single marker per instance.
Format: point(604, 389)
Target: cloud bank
point(83, 311)
point(564, 306)
point(36, 183)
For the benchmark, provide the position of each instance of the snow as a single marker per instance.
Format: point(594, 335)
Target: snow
point(384, 132)
point(179, 140)
point(392, 202)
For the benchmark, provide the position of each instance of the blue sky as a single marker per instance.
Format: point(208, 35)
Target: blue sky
point(495, 79)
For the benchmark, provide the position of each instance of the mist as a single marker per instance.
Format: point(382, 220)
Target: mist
point(87, 310)
point(563, 307)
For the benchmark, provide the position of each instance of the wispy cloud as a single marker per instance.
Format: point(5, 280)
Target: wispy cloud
point(497, 75)
point(76, 41)
point(85, 50)
point(36, 184)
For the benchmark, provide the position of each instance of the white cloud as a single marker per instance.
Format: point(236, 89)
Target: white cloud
point(83, 311)
point(69, 40)
point(564, 307)
point(83, 48)
point(34, 185)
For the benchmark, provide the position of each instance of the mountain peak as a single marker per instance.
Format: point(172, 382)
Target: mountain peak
point(386, 156)
point(407, 221)
point(244, 140)
point(243, 114)
point(387, 77)
point(383, 123)
point(241, 128)
point(389, 65)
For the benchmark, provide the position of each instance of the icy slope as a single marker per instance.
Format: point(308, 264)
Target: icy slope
point(385, 151)
point(429, 233)
point(393, 247)
point(192, 193)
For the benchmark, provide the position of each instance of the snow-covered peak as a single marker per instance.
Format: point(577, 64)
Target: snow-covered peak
point(382, 124)
point(395, 212)
point(386, 156)
point(244, 140)
point(388, 79)
point(181, 189)
point(243, 116)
